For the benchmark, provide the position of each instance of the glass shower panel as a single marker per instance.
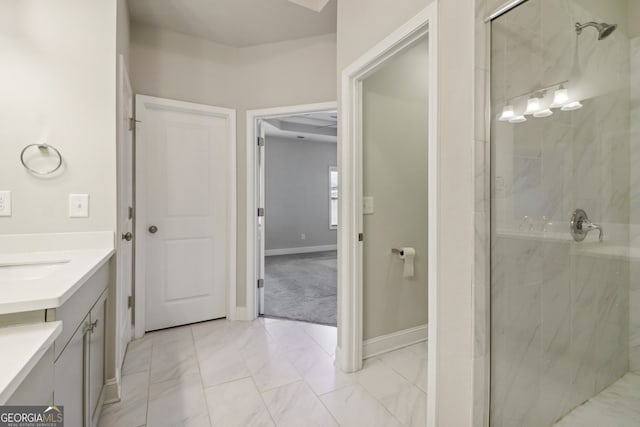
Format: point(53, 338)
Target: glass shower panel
point(565, 165)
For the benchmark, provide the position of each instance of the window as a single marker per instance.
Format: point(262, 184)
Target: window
point(333, 198)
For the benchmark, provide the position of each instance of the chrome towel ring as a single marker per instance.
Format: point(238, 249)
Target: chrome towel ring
point(41, 147)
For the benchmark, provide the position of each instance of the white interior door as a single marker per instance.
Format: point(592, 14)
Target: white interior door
point(125, 213)
point(261, 216)
point(187, 171)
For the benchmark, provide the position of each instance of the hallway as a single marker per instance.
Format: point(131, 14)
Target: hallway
point(263, 373)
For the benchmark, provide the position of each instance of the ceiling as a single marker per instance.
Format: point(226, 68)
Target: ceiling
point(316, 127)
point(238, 23)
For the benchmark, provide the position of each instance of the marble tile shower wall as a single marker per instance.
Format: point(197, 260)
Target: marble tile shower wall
point(634, 296)
point(560, 310)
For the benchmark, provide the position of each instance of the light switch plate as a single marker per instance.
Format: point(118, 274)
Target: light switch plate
point(367, 205)
point(5, 203)
point(78, 205)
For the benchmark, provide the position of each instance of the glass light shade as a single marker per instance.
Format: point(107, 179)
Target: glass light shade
point(572, 106)
point(507, 113)
point(543, 113)
point(533, 105)
point(560, 97)
point(518, 119)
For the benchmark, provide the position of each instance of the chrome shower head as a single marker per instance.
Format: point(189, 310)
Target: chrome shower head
point(604, 29)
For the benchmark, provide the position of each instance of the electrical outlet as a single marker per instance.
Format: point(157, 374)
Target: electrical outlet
point(5, 203)
point(78, 205)
point(303, 236)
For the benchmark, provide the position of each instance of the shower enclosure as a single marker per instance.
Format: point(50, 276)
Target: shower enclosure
point(565, 220)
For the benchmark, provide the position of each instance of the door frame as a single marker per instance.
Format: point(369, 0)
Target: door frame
point(251, 310)
point(124, 85)
point(140, 201)
point(350, 275)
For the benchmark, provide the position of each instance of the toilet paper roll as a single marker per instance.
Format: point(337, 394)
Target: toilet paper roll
point(408, 256)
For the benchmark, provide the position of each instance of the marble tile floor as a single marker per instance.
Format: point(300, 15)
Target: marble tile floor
point(617, 405)
point(263, 373)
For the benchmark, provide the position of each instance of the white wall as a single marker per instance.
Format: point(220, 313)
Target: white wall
point(176, 66)
point(297, 192)
point(58, 86)
point(356, 34)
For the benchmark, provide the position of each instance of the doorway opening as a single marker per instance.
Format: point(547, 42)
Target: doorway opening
point(293, 234)
point(382, 239)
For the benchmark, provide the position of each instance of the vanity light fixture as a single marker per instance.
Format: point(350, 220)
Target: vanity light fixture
point(572, 106)
point(533, 105)
point(560, 97)
point(543, 113)
point(518, 119)
point(507, 113)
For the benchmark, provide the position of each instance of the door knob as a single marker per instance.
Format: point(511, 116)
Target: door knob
point(153, 229)
point(127, 236)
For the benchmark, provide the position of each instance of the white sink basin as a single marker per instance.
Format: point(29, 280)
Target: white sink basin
point(28, 270)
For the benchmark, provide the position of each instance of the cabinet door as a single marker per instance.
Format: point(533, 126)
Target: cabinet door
point(69, 376)
point(96, 355)
point(37, 388)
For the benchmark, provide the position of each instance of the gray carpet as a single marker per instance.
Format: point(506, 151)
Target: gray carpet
point(302, 287)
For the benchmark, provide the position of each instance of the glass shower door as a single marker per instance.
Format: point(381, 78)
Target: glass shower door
point(565, 166)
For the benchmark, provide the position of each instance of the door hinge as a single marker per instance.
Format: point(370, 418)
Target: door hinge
point(260, 212)
point(132, 123)
point(260, 283)
point(130, 212)
point(260, 141)
point(130, 301)
point(360, 237)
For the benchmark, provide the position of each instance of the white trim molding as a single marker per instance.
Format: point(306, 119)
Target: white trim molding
point(251, 310)
point(112, 391)
point(142, 101)
point(301, 250)
point(350, 285)
point(386, 343)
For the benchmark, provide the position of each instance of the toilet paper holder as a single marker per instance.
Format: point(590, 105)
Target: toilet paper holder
point(397, 251)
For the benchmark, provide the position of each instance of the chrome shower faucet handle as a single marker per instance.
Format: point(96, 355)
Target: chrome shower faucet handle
point(581, 225)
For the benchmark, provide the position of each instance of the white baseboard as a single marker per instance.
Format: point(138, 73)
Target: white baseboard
point(385, 343)
point(303, 250)
point(242, 314)
point(111, 391)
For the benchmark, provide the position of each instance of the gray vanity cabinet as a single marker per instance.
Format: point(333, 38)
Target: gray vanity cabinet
point(80, 352)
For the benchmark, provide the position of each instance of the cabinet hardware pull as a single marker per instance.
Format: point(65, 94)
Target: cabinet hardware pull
point(91, 327)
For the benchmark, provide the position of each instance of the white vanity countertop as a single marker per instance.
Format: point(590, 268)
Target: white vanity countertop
point(47, 286)
point(22, 348)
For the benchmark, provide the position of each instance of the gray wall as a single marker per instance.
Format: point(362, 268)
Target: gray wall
point(297, 193)
point(395, 167)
